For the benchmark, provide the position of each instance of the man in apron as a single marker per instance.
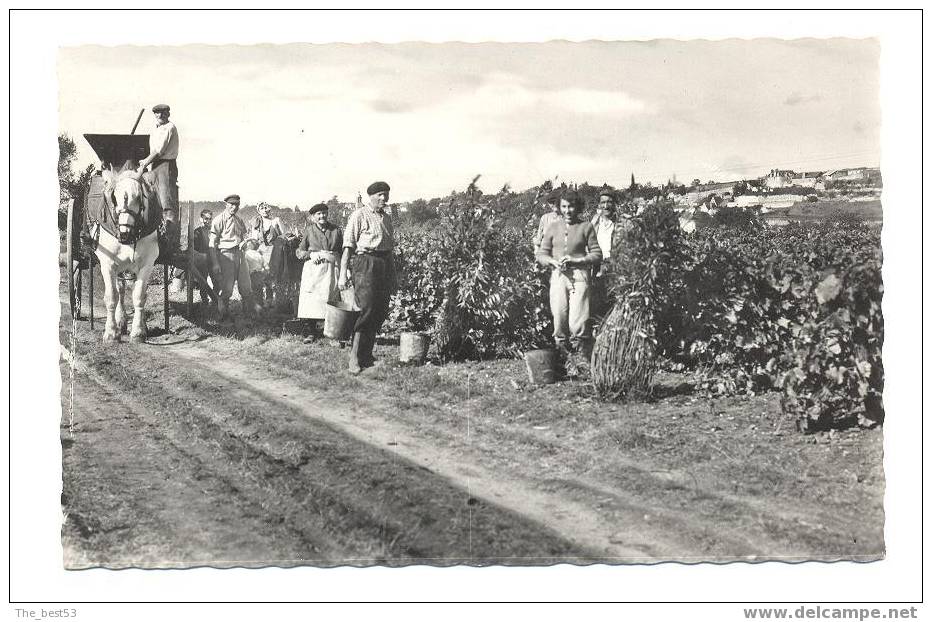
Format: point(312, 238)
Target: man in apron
point(321, 244)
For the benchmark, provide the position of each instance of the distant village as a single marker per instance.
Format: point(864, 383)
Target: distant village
point(779, 196)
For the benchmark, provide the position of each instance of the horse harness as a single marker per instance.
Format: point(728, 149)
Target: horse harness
point(108, 219)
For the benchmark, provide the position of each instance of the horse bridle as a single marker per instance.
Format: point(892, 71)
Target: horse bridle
point(127, 233)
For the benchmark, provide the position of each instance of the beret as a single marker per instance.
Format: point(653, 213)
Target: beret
point(377, 187)
point(320, 207)
point(232, 198)
point(161, 108)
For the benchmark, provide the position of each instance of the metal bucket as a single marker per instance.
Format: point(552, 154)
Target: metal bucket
point(542, 366)
point(339, 320)
point(413, 348)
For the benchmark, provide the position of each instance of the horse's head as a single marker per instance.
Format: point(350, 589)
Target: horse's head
point(128, 199)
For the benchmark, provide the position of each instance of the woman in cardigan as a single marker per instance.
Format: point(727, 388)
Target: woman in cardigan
point(320, 245)
point(571, 248)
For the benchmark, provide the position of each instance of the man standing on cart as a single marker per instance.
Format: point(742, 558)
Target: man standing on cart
point(163, 153)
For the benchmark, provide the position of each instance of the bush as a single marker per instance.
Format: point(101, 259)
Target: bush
point(471, 282)
point(836, 371)
point(740, 217)
point(648, 253)
point(759, 310)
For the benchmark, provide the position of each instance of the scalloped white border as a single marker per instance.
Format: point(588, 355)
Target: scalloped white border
point(35, 453)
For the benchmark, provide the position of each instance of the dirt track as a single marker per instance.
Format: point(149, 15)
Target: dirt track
point(183, 455)
point(186, 477)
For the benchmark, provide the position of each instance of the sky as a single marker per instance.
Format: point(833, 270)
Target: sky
point(299, 123)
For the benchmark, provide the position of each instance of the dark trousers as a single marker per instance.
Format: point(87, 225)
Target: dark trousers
point(373, 280)
point(165, 173)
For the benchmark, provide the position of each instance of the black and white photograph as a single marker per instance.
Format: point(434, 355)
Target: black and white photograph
point(564, 301)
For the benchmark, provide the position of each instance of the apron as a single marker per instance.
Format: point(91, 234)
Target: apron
point(255, 262)
point(318, 285)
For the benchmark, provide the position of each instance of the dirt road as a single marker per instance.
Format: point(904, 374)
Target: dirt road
point(226, 473)
point(195, 454)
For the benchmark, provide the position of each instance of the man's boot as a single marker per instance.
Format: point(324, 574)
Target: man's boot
point(354, 366)
point(367, 343)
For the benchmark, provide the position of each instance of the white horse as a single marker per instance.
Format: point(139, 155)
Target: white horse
point(132, 251)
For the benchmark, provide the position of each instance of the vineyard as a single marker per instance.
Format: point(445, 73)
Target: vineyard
point(678, 443)
point(742, 306)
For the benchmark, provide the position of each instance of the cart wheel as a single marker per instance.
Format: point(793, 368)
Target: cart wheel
point(72, 257)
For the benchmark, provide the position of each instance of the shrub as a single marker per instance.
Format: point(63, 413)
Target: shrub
point(796, 308)
point(472, 283)
point(741, 217)
point(648, 253)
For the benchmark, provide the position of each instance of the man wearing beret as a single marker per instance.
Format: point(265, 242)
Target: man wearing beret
point(163, 153)
point(227, 232)
point(367, 245)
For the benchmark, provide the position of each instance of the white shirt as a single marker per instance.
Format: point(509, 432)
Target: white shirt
point(163, 141)
point(604, 229)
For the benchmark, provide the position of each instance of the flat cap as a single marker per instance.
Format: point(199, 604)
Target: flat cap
point(377, 187)
point(161, 108)
point(320, 207)
point(231, 198)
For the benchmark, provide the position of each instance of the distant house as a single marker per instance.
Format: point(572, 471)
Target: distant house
point(861, 173)
point(699, 194)
point(809, 179)
point(778, 178)
point(847, 174)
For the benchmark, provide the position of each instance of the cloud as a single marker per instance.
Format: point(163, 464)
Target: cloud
point(796, 99)
point(507, 94)
point(589, 101)
point(390, 107)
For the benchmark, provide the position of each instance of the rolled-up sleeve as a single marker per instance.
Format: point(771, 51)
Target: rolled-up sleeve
point(159, 140)
point(216, 231)
point(353, 230)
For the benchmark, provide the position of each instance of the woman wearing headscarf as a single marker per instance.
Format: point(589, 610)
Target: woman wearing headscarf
point(263, 250)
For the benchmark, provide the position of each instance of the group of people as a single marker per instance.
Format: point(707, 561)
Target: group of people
point(229, 252)
point(361, 257)
point(241, 255)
